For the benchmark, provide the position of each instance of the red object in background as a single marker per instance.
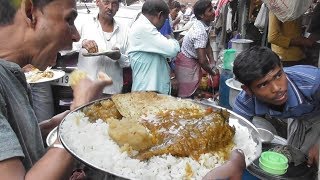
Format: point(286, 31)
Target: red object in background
point(127, 76)
point(215, 81)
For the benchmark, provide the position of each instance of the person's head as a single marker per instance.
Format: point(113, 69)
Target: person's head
point(157, 11)
point(36, 30)
point(204, 11)
point(108, 8)
point(175, 7)
point(183, 8)
point(260, 71)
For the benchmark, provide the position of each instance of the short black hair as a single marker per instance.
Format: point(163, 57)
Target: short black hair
point(175, 4)
point(153, 7)
point(254, 63)
point(8, 9)
point(200, 7)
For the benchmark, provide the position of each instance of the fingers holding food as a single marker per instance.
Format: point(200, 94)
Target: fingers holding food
point(90, 45)
point(86, 89)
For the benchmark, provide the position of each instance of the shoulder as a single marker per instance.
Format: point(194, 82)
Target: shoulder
point(197, 29)
point(244, 105)
point(303, 73)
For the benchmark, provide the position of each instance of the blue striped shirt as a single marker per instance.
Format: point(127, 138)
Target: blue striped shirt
point(303, 96)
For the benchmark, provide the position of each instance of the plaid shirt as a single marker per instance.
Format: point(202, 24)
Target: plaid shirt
point(197, 37)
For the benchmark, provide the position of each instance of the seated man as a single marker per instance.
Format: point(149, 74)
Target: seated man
point(290, 94)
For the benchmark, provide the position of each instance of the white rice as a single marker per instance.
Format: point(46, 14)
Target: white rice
point(91, 142)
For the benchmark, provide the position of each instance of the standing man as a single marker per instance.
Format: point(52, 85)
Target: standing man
point(196, 53)
point(32, 32)
point(103, 33)
point(287, 41)
point(148, 49)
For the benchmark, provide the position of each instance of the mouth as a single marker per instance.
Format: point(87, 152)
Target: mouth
point(281, 96)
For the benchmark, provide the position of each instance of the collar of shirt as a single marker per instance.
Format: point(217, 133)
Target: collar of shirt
point(144, 20)
point(115, 23)
point(295, 99)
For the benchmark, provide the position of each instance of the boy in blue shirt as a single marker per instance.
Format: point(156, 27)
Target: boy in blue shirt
point(290, 94)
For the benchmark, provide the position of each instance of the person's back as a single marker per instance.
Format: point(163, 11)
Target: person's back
point(148, 49)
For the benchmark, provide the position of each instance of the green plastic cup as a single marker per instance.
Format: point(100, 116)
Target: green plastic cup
point(273, 163)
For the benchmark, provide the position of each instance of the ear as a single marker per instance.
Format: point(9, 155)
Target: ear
point(27, 9)
point(97, 2)
point(246, 89)
point(159, 14)
point(201, 16)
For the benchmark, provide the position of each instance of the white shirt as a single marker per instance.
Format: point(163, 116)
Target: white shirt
point(91, 30)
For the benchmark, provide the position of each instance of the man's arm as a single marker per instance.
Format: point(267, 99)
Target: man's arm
point(55, 164)
point(210, 54)
point(231, 170)
point(142, 40)
point(48, 125)
point(275, 35)
point(203, 61)
point(274, 32)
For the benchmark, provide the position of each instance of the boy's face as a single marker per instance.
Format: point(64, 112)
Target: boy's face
point(272, 88)
point(174, 13)
point(208, 15)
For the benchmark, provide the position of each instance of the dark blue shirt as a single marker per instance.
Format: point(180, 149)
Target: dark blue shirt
point(166, 28)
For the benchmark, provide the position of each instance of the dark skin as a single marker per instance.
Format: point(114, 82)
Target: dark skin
point(107, 10)
point(35, 37)
point(272, 89)
point(231, 170)
point(205, 55)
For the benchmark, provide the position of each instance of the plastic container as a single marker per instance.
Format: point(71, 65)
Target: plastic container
point(228, 58)
point(273, 163)
point(235, 88)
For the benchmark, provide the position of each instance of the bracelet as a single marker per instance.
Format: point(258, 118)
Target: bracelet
point(60, 146)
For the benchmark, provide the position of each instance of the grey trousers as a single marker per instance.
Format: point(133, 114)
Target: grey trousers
point(304, 132)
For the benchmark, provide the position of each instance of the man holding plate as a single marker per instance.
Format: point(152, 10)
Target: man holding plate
point(32, 32)
point(103, 33)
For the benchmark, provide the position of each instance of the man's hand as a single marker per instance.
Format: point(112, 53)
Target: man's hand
point(48, 125)
point(90, 45)
point(87, 90)
point(313, 155)
point(116, 55)
point(302, 41)
point(232, 169)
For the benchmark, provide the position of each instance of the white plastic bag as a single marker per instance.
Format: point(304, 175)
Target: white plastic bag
point(288, 10)
point(261, 17)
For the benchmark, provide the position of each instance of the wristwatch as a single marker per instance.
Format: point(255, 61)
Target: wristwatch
point(57, 145)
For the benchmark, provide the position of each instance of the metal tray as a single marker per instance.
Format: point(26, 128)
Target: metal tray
point(233, 117)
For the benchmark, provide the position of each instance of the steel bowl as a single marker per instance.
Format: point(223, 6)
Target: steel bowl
point(233, 118)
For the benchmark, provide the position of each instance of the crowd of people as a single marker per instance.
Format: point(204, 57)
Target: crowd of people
point(34, 31)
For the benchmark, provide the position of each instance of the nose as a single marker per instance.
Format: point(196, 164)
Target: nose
point(75, 34)
point(275, 87)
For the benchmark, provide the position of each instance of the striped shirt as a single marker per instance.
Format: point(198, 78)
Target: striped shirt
point(303, 96)
point(197, 37)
